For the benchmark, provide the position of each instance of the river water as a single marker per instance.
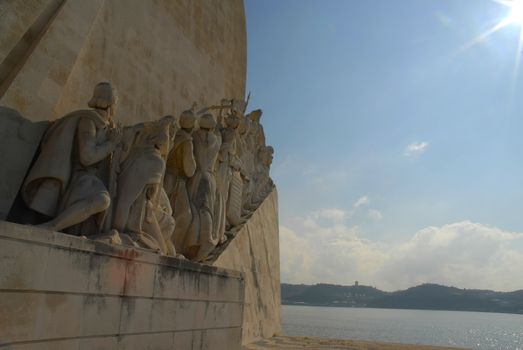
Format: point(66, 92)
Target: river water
point(473, 330)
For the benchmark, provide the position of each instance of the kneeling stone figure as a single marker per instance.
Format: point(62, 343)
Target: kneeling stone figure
point(68, 181)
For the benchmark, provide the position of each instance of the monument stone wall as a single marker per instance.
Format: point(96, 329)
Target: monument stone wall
point(63, 292)
point(161, 55)
point(255, 252)
point(165, 166)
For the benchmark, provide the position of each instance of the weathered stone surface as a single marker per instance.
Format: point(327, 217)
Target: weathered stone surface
point(255, 252)
point(64, 48)
point(60, 291)
point(202, 58)
point(19, 140)
point(16, 16)
point(64, 292)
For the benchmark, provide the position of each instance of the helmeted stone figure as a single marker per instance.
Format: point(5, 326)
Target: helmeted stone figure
point(204, 233)
point(68, 182)
point(181, 166)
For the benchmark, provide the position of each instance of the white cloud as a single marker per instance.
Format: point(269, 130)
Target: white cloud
point(333, 214)
point(463, 254)
point(375, 215)
point(415, 149)
point(338, 215)
point(361, 201)
point(298, 255)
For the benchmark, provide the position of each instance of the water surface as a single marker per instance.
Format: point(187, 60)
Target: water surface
point(475, 330)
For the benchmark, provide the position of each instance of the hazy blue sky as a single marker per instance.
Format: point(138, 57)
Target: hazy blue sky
point(399, 146)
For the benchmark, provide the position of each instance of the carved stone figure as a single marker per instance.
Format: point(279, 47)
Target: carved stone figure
point(204, 233)
point(257, 128)
point(225, 105)
point(150, 185)
point(68, 182)
point(255, 140)
point(247, 160)
point(230, 184)
point(161, 223)
point(181, 166)
point(263, 183)
point(239, 106)
point(142, 210)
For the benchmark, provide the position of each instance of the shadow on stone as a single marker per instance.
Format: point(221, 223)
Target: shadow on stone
point(19, 141)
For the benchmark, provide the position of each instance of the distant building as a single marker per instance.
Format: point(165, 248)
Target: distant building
point(356, 284)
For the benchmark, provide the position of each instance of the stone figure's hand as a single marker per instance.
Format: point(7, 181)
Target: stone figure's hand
point(244, 175)
point(150, 192)
point(115, 135)
point(235, 163)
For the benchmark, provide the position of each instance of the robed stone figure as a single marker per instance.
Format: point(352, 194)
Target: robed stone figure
point(204, 233)
point(69, 181)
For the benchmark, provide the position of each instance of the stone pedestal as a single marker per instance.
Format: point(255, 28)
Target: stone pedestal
point(64, 292)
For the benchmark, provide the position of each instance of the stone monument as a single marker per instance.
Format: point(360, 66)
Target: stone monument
point(121, 212)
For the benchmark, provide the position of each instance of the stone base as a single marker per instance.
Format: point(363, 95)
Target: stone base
point(64, 292)
point(255, 251)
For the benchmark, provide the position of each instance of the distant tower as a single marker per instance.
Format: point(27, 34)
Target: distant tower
point(356, 284)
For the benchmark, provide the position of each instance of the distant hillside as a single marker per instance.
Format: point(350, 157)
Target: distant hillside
point(425, 296)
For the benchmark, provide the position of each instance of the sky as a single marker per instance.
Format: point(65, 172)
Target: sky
point(398, 133)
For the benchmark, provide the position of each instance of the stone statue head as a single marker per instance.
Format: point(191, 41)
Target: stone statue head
point(266, 154)
point(207, 122)
point(232, 120)
point(226, 102)
point(187, 120)
point(255, 115)
point(104, 97)
point(169, 122)
point(157, 135)
point(238, 106)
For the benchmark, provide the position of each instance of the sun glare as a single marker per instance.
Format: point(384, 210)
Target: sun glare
point(514, 17)
point(516, 12)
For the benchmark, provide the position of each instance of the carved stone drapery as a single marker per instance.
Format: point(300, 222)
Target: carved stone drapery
point(176, 185)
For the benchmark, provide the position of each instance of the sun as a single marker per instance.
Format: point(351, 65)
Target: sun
point(516, 12)
point(514, 18)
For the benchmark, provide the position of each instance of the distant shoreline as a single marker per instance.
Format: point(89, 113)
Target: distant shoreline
point(432, 297)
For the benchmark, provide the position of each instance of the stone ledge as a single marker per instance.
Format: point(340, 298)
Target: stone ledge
point(57, 239)
point(138, 341)
point(59, 291)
